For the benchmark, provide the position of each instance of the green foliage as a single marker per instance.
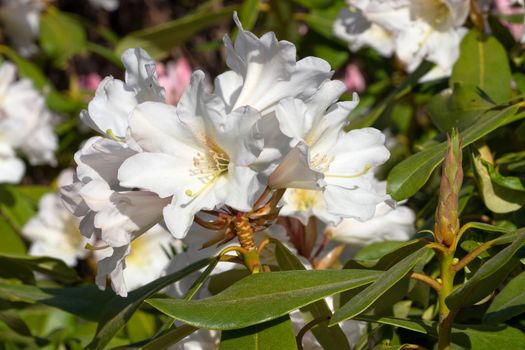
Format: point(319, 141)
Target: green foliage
point(234, 307)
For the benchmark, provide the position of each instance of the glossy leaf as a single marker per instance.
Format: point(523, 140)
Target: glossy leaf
point(362, 301)
point(329, 337)
point(509, 303)
point(275, 334)
point(159, 40)
point(483, 64)
point(407, 177)
point(481, 337)
point(510, 182)
point(488, 277)
point(485, 227)
point(169, 337)
point(497, 198)
point(276, 294)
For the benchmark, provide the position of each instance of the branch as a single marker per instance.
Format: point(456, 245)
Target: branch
point(427, 280)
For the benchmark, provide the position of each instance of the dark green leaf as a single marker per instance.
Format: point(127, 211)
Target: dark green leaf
point(509, 302)
point(488, 277)
point(362, 301)
point(481, 337)
point(169, 337)
point(159, 40)
point(510, 182)
point(262, 297)
point(248, 13)
point(406, 178)
point(329, 337)
point(275, 334)
point(483, 63)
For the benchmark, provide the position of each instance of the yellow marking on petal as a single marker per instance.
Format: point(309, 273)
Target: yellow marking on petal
point(112, 136)
point(91, 247)
point(363, 172)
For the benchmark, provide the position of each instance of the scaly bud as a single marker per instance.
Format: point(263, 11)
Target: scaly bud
point(447, 218)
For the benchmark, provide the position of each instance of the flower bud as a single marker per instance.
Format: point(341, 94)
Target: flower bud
point(447, 216)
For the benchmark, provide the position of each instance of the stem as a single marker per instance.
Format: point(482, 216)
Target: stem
point(426, 279)
point(447, 285)
point(244, 232)
point(471, 256)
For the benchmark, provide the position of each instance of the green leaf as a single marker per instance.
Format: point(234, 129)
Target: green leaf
point(483, 63)
point(111, 310)
point(489, 275)
point(48, 266)
point(275, 334)
point(458, 108)
point(407, 177)
point(11, 319)
point(169, 337)
point(362, 301)
point(485, 227)
point(509, 302)
point(497, 198)
point(329, 337)
point(15, 207)
point(384, 255)
point(159, 40)
point(481, 337)
point(121, 309)
point(262, 297)
point(419, 326)
point(510, 182)
point(61, 36)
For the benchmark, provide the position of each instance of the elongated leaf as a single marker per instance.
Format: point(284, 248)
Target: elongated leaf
point(388, 279)
point(497, 198)
point(90, 303)
point(122, 309)
point(481, 337)
point(170, 337)
point(489, 275)
point(510, 182)
point(11, 241)
point(49, 266)
point(486, 227)
point(275, 334)
point(419, 326)
point(329, 337)
point(11, 319)
point(406, 178)
point(159, 40)
point(263, 297)
point(483, 63)
point(509, 302)
point(248, 13)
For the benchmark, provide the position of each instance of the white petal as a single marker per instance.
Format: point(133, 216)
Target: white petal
point(156, 172)
point(294, 171)
point(141, 76)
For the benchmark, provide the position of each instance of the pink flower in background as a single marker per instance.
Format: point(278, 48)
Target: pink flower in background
point(507, 8)
point(174, 77)
point(354, 80)
point(89, 81)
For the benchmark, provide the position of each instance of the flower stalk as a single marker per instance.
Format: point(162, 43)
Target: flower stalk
point(446, 232)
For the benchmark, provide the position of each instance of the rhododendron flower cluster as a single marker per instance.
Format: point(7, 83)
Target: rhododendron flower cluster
point(413, 30)
point(26, 124)
point(271, 133)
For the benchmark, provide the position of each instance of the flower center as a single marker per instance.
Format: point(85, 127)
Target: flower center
point(434, 12)
point(303, 200)
point(208, 168)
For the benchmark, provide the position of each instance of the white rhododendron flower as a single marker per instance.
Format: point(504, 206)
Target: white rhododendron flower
point(108, 5)
point(388, 224)
point(335, 169)
point(146, 262)
point(25, 124)
point(196, 153)
point(20, 20)
point(418, 30)
point(213, 152)
point(54, 231)
point(264, 71)
point(114, 99)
